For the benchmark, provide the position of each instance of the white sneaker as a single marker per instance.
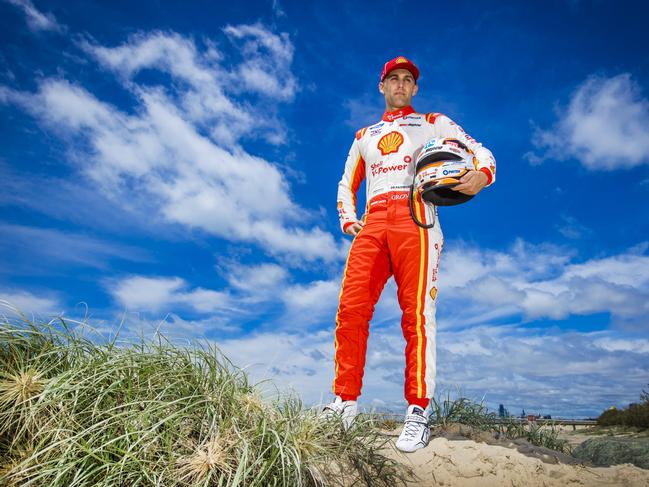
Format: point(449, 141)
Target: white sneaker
point(416, 433)
point(346, 410)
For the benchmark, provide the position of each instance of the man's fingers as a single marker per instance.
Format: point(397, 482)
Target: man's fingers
point(354, 228)
point(466, 188)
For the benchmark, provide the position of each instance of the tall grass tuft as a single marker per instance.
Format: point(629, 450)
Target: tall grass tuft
point(447, 411)
point(76, 411)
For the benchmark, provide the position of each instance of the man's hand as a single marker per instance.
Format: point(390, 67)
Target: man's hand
point(472, 182)
point(354, 228)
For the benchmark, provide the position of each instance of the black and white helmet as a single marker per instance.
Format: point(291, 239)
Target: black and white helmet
point(440, 165)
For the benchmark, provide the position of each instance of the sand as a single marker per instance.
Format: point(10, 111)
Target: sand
point(468, 463)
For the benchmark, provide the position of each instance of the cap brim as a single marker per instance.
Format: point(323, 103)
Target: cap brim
point(409, 66)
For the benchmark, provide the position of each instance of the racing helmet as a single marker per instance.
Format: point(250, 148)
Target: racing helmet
point(440, 165)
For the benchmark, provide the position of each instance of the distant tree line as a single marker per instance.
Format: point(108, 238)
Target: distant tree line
point(637, 414)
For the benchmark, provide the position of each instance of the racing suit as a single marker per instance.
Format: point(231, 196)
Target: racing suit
point(390, 243)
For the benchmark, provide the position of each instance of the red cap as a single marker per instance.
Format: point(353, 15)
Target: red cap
point(399, 62)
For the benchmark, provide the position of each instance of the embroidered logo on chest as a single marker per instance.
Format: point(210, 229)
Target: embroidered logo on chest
point(390, 143)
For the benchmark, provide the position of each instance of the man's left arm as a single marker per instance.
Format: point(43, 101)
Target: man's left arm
point(474, 181)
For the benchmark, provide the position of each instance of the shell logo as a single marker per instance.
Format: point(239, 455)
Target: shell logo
point(390, 143)
point(433, 292)
point(400, 60)
point(340, 205)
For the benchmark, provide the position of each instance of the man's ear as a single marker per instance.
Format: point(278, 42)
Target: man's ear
point(381, 87)
point(415, 89)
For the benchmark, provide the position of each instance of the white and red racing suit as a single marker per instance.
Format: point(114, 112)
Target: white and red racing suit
point(390, 243)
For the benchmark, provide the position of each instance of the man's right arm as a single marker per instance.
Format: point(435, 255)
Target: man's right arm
point(351, 180)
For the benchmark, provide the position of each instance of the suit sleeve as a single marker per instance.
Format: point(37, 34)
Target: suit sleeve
point(351, 180)
point(445, 127)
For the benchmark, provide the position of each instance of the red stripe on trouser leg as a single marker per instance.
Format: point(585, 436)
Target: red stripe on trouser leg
point(366, 272)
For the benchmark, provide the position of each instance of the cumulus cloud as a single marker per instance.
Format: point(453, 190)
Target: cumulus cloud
point(202, 98)
point(254, 278)
point(179, 153)
point(138, 293)
point(541, 281)
point(605, 126)
point(37, 20)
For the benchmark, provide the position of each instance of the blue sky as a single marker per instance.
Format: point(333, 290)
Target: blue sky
point(175, 165)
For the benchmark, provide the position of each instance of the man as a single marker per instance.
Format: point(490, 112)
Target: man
point(388, 242)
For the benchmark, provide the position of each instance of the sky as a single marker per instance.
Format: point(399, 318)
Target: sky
point(173, 166)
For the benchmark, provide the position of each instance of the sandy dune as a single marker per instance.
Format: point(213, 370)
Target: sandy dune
point(467, 463)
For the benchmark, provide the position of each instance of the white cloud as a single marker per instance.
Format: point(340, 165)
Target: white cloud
point(623, 345)
point(265, 277)
point(37, 20)
point(478, 285)
point(202, 98)
point(29, 303)
point(149, 293)
point(605, 126)
point(178, 153)
point(164, 294)
point(267, 61)
point(314, 302)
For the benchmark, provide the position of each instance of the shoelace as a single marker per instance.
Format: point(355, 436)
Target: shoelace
point(412, 425)
point(335, 407)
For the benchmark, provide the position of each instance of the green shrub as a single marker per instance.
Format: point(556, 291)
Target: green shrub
point(610, 417)
point(635, 415)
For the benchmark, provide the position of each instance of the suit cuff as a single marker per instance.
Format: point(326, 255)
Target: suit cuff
point(490, 176)
point(347, 224)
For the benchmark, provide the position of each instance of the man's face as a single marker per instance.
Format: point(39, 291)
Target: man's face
point(398, 87)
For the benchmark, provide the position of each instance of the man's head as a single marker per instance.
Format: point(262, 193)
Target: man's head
point(398, 83)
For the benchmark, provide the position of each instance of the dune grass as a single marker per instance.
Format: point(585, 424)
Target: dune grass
point(76, 411)
point(447, 411)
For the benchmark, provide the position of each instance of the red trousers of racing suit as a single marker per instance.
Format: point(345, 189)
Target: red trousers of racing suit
point(390, 243)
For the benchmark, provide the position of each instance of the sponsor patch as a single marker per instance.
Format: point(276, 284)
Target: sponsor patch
point(390, 143)
point(433, 292)
point(378, 168)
